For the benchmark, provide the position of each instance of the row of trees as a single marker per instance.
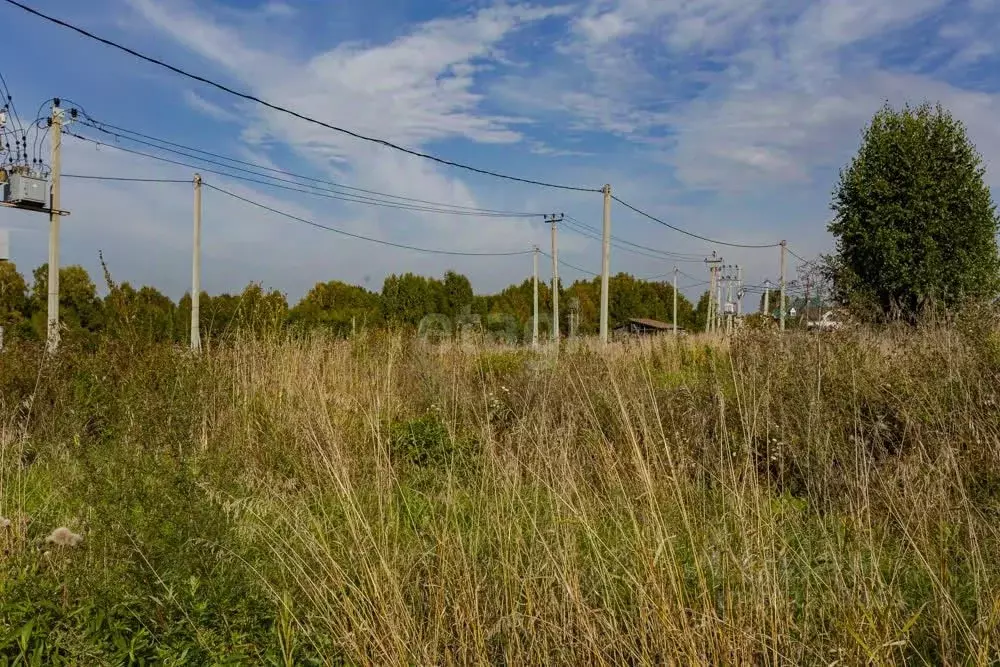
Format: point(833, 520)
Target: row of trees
point(147, 314)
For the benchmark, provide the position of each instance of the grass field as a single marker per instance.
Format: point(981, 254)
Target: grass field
point(799, 500)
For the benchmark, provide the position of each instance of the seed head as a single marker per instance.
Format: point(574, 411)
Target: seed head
point(64, 537)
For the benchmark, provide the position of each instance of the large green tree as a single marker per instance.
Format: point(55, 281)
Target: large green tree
point(915, 224)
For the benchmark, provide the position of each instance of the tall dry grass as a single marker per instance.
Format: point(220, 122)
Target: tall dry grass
point(805, 500)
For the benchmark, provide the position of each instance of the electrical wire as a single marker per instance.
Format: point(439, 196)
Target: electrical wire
point(285, 110)
point(359, 236)
point(574, 225)
point(10, 101)
point(572, 266)
point(799, 257)
point(678, 229)
point(433, 206)
point(127, 179)
point(594, 237)
point(680, 255)
point(163, 144)
point(353, 199)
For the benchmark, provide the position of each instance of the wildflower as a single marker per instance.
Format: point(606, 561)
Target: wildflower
point(64, 537)
point(4, 522)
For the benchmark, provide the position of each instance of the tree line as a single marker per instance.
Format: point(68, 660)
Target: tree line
point(146, 314)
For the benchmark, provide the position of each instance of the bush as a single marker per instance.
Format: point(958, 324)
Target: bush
point(423, 442)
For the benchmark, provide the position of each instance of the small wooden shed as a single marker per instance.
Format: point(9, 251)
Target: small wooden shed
point(638, 326)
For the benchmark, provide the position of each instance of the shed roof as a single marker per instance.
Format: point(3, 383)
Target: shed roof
point(652, 324)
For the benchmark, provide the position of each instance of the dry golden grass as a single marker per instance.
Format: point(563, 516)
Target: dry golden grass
point(798, 500)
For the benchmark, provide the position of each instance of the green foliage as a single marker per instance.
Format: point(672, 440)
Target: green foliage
point(423, 442)
point(337, 307)
point(759, 322)
point(14, 305)
point(81, 312)
point(915, 223)
point(700, 315)
point(238, 507)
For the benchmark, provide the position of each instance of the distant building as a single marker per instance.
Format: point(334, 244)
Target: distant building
point(644, 327)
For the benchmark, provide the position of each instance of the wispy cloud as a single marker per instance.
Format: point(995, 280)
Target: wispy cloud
point(210, 109)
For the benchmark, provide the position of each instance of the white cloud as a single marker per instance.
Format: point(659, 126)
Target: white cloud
point(210, 109)
point(414, 90)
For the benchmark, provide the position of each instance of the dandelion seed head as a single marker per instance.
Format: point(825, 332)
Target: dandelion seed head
point(64, 537)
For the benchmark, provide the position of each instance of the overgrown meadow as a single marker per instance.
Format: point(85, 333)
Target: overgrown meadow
point(807, 499)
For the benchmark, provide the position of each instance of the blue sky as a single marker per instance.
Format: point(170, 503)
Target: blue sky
point(727, 117)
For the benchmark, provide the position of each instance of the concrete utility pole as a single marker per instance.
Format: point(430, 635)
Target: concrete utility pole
point(675, 301)
point(739, 291)
point(196, 270)
point(720, 322)
point(555, 220)
point(55, 211)
point(605, 263)
point(534, 284)
point(711, 318)
point(729, 300)
point(767, 297)
point(711, 297)
point(4, 256)
point(784, 247)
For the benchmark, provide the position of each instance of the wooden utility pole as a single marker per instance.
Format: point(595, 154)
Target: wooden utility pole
point(675, 301)
point(534, 284)
point(605, 263)
point(196, 270)
point(55, 212)
point(781, 308)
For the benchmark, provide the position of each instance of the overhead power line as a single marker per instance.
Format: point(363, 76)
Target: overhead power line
point(359, 236)
point(597, 237)
point(285, 110)
point(126, 179)
point(589, 231)
point(324, 194)
point(563, 262)
point(681, 230)
point(337, 188)
point(799, 257)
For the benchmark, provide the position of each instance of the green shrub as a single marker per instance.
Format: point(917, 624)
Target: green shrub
point(423, 442)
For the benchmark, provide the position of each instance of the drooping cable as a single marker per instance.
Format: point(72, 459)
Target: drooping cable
point(361, 237)
point(682, 230)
